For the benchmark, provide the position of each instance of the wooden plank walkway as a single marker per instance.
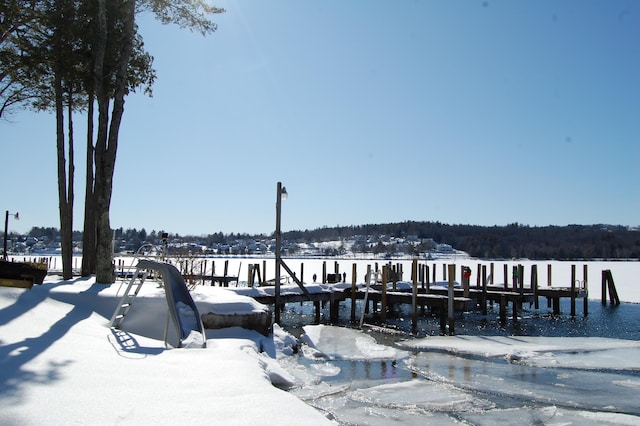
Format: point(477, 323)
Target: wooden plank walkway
point(436, 299)
point(441, 297)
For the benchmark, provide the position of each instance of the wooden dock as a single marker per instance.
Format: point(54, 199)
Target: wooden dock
point(444, 298)
point(423, 292)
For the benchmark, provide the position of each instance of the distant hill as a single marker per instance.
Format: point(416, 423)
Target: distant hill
point(410, 237)
point(510, 241)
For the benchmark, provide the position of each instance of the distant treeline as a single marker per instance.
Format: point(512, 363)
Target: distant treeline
point(494, 242)
point(511, 241)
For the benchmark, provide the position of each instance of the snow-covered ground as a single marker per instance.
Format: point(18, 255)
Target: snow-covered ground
point(60, 363)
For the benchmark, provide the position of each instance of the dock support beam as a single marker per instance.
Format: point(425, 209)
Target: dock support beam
point(414, 298)
point(450, 305)
point(503, 309)
point(385, 275)
point(353, 292)
point(573, 290)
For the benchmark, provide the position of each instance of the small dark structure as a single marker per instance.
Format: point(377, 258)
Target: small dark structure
point(22, 274)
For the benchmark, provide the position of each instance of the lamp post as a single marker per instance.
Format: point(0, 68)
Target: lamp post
point(16, 216)
point(281, 194)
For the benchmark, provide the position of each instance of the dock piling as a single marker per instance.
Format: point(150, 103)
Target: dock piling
point(585, 299)
point(450, 305)
point(414, 298)
point(573, 290)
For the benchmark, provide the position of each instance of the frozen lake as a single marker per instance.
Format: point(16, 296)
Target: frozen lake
point(375, 376)
point(540, 369)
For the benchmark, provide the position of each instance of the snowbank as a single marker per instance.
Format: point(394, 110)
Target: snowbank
point(61, 364)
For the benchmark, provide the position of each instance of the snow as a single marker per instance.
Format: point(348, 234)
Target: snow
point(60, 363)
point(221, 301)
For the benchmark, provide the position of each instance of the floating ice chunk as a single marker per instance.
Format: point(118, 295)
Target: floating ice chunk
point(567, 352)
point(551, 415)
point(347, 344)
point(422, 395)
point(326, 369)
point(519, 355)
point(633, 384)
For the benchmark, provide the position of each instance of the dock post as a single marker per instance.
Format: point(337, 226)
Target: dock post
point(324, 272)
point(520, 278)
point(613, 293)
point(612, 298)
point(505, 271)
point(465, 280)
point(613, 288)
point(394, 276)
point(334, 307)
point(534, 285)
point(483, 299)
point(443, 318)
point(450, 306)
point(427, 276)
point(548, 283)
point(573, 290)
point(316, 306)
point(353, 292)
point(414, 298)
point(503, 309)
point(385, 274)
point(603, 295)
point(585, 300)
point(492, 273)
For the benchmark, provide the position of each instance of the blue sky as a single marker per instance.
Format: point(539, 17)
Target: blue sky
point(467, 112)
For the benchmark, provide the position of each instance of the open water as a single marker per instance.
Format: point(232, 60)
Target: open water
point(588, 384)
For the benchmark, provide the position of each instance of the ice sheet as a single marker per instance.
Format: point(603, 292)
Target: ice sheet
point(347, 344)
point(566, 352)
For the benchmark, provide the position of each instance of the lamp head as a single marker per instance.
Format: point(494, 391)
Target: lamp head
point(283, 193)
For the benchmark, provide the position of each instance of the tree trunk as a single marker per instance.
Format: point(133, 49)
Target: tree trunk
point(106, 149)
point(104, 271)
point(65, 200)
point(89, 229)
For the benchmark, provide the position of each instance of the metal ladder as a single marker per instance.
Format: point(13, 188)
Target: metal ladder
point(127, 298)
